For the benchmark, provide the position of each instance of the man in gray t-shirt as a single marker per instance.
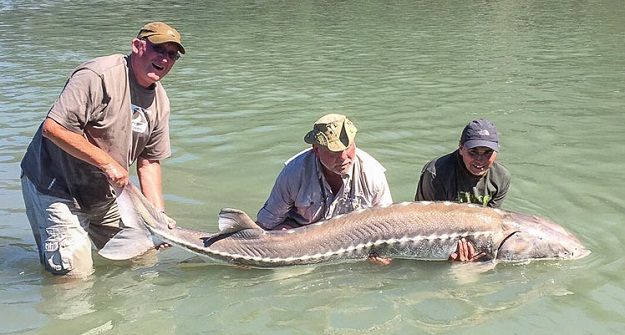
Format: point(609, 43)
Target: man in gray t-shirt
point(112, 112)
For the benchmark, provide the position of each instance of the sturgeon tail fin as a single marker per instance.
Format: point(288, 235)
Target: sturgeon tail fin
point(135, 238)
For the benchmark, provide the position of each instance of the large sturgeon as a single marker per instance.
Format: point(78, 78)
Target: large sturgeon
point(411, 230)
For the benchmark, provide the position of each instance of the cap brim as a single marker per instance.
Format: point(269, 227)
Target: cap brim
point(310, 138)
point(336, 146)
point(160, 39)
point(480, 143)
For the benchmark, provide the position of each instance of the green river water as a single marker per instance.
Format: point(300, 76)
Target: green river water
point(410, 74)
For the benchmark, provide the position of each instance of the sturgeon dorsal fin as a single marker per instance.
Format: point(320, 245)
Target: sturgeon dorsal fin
point(232, 220)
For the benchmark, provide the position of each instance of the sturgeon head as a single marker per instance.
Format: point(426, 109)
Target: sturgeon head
point(533, 237)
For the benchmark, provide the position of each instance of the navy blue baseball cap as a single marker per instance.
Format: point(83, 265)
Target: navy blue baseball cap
point(480, 133)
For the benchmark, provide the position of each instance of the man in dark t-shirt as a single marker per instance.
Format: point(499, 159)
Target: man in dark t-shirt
point(469, 174)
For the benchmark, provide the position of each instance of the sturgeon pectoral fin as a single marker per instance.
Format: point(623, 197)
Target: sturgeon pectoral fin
point(232, 220)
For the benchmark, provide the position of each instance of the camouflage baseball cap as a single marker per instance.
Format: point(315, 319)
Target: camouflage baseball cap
point(159, 32)
point(333, 131)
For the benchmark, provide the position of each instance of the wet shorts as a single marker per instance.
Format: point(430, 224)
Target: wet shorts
point(64, 233)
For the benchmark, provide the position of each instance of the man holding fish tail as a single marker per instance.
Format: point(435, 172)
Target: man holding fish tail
point(112, 112)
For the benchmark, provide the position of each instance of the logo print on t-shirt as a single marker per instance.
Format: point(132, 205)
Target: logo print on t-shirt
point(139, 119)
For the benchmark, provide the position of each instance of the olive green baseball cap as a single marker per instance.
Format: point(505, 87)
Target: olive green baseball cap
point(333, 131)
point(160, 32)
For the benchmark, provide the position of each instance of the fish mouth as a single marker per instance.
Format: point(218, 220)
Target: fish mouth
point(583, 252)
point(158, 67)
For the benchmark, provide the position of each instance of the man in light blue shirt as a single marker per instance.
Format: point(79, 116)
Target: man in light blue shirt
point(331, 178)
